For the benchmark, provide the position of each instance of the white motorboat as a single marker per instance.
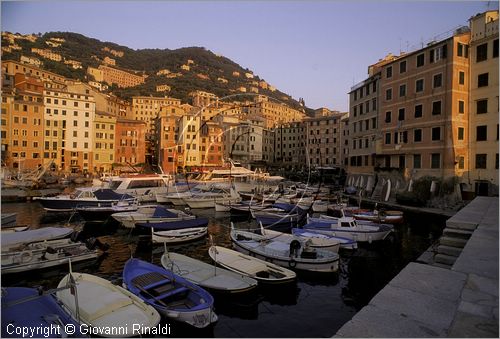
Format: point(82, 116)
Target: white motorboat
point(345, 243)
point(150, 214)
point(321, 243)
point(142, 186)
point(46, 254)
point(286, 252)
point(348, 227)
point(260, 270)
point(109, 308)
point(206, 275)
point(83, 197)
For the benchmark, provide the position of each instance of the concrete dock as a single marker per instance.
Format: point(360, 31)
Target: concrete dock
point(435, 301)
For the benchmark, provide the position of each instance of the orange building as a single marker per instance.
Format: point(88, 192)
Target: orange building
point(130, 141)
point(423, 114)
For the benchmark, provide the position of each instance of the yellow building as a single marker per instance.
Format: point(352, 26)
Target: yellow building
point(275, 113)
point(147, 109)
point(104, 142)
point(47, 53)
point(483, 105)
point(120, 78)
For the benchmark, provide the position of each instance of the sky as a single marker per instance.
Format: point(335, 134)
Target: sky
point(316, 50)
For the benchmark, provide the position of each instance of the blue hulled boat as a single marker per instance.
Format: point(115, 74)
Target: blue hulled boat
point(26, 308)
point(170, 294)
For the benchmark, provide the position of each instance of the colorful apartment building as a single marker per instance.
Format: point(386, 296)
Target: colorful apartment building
point(482, 177)
point(275, 113)
point(147, 108)
point(363, 116)
point(423, 110)
point(47, 53)
point(120, 77)
point(104, 142)
point(11, 68)
point(130, 141)
point(323, 138)
point(68, 130)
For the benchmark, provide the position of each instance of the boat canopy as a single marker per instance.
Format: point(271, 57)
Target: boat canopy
point(108, 194)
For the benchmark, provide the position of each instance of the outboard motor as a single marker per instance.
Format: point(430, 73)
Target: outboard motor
point(294, 248)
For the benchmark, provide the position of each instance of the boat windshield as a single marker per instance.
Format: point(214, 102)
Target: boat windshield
point(114, 184)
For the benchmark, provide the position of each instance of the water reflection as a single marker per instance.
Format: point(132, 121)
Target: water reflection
point(315, 306)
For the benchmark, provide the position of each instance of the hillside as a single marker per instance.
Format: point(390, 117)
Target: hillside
point(207, 71)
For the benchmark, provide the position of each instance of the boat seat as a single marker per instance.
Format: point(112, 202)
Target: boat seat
point(173, 292)
point(151, 280)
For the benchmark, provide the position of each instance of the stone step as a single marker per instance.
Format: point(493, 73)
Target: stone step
point(457, 233)
point(449, 250)
point(442, 265)
point(453, 242)
point(444, 259)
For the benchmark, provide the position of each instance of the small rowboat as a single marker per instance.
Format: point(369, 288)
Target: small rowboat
point(206, 275)
point(100, 304)
point(169, 293)
point(260, 270)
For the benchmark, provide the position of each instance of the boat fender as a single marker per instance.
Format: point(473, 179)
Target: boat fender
point(294, 248)
point(292, 263)
point(26, 256)
point(370, 239)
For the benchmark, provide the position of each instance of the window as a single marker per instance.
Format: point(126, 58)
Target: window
point(387, 138)
point(418, 111)
point(460, 133)
point(495, 49)
point(462, 50)
point(482, 52)
point(461, 106)
point(388, 72)
point(420, 60)
point(374, 104)
point(482, 80)
point(481, 133)
point(419, 85)
point(461, 162)
point(435, 160)
point(388, 116)
point(461, 78)
point(436, 133)
point(482, 106)
point(436, 107)
point(437, 54)
point(401, 114)
point(388, 94)
point(417, 161)
point(437, 80)
point(481, 161)
point(402, 67)
point(402, 90)
point(417, 135)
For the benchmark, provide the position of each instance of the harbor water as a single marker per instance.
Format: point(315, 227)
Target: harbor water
point(316, 306)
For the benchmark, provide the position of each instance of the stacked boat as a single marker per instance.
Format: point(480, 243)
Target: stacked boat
point(44, 248)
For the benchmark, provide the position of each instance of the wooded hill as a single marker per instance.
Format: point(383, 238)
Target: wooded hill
point(204, 73)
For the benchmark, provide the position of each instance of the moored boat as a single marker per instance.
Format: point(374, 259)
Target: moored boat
point(150, 214)
point(102, 213)
point(15, 239)
point(169, 293)
point(177, 231)
point(82, 197)
point(345, 243)
point(46, 255)
point(286, 252)
point(348, 227)
point(260, 270)
point(206, 275)
point(100, 304)
point(28, 308)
